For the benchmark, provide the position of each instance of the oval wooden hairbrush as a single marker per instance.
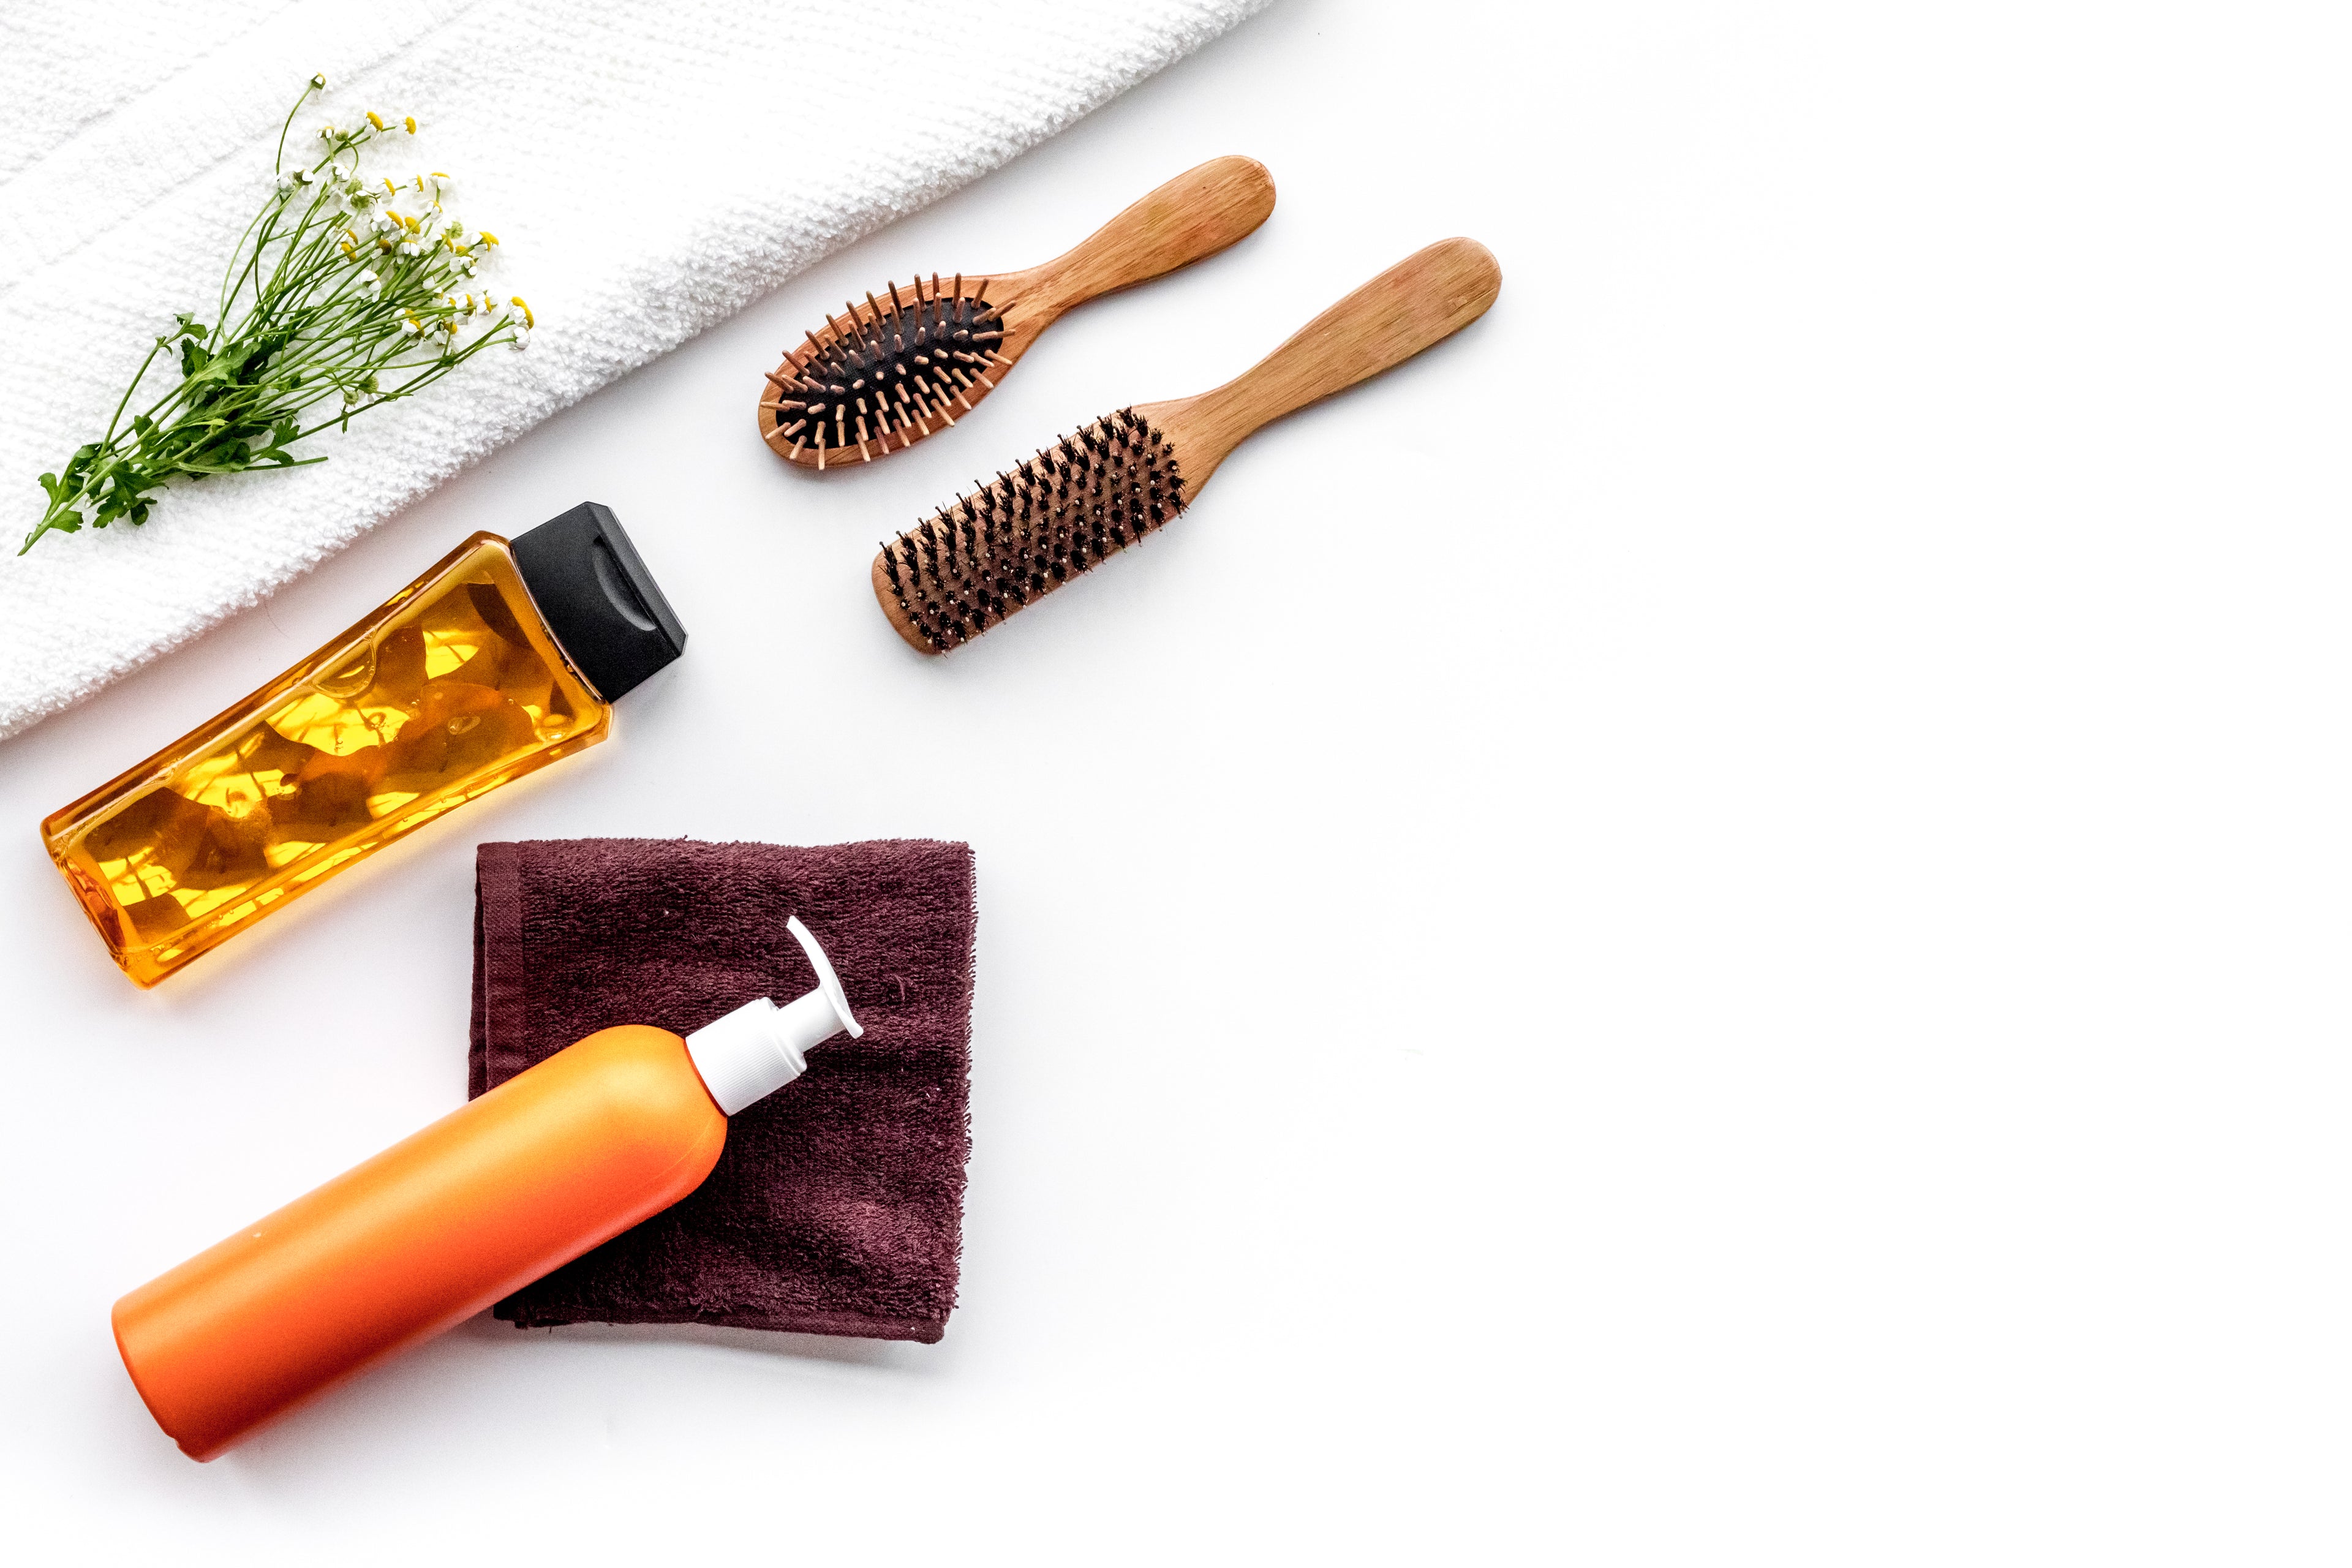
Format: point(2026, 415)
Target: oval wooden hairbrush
point(890, 371)
point(1011, 543)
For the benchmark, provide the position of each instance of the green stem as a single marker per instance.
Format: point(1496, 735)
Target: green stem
point(116, 418)
point(279, 162)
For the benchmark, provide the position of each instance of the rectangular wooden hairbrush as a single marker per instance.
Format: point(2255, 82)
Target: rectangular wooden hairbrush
point(881, 377)
point(1011, 543)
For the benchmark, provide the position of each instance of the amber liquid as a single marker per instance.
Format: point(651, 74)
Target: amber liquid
point(451, 688)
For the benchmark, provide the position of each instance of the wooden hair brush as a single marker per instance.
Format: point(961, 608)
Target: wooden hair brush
point(890, 371)
point(1012, 542)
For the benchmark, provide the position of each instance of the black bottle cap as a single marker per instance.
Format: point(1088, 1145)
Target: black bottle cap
point(599, 600)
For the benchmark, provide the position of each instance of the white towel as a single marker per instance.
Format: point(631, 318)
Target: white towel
point(650, 168)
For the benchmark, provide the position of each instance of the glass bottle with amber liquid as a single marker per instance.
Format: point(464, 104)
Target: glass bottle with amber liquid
point(500, 659)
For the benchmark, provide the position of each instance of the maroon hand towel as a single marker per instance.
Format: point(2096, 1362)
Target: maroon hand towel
point(837, 1207)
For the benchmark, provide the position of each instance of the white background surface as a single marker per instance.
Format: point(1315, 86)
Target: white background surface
point(1706, 927)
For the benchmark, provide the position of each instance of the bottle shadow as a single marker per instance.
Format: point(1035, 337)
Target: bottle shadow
point(453, 1401)
point(834, 1348)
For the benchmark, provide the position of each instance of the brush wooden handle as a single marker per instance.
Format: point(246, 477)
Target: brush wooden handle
point(1421, 300)
point(1197, 214)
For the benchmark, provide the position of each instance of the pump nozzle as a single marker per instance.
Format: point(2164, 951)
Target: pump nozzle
point(758, 1048)
point(827, 982)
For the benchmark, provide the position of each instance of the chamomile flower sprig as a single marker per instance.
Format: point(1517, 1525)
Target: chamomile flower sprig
point(343, 292)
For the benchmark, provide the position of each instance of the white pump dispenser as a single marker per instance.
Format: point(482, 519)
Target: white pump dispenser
point(758, 1048)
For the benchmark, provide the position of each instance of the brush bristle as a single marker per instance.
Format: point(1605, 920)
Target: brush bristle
point(890, 371)
point(971, 564)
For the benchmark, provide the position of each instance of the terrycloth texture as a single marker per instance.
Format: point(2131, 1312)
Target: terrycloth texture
point(837, 1207)
point(651, 167)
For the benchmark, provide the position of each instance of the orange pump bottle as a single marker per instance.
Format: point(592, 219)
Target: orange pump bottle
point(556, 1160)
